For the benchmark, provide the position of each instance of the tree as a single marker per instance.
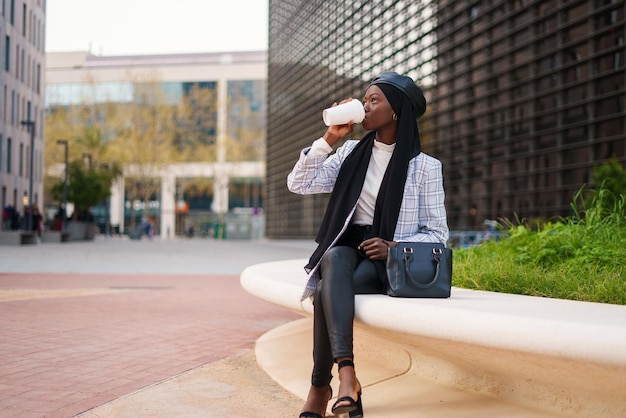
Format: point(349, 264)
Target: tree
point(246, 122)
point(86, 134)
point(195, 119)
point(144, 143)
point(144, 127)
point(85, 187)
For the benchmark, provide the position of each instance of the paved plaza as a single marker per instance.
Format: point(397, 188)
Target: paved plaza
point(120, 328)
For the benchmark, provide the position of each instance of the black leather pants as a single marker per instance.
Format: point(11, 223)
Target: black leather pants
point(344, 272)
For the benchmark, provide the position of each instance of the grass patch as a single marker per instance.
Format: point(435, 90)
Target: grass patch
point(582, 257)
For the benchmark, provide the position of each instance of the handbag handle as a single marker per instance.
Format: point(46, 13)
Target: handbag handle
point(407, 255)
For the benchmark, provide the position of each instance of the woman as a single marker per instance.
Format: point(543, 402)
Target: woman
point(384, 190)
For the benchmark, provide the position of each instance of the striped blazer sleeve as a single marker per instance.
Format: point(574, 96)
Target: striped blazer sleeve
point(422, 213)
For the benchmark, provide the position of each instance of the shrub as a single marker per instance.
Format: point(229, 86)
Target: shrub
point(85, 187)
point(580, 257)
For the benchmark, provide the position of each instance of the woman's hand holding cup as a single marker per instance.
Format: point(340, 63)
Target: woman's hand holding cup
point(335, 132)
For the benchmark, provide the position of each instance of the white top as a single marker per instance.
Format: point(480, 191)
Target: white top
point(381, 154)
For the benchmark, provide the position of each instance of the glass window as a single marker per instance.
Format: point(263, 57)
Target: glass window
point(21, 161)
point(9, 146)
point(24, 14)
point(7, 53)
point(173, 92)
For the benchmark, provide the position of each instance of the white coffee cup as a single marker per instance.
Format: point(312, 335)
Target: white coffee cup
point(344, 113)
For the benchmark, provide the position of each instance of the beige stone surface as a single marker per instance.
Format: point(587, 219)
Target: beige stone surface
point(239, 387)
point(393, 384)
point(234, 387)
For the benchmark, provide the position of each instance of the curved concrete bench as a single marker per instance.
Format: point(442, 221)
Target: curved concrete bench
point(476, 354)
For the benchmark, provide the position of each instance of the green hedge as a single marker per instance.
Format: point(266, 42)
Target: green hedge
point(582, 257)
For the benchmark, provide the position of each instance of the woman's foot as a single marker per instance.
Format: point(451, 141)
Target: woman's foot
point(316, 402)
point(349, 397)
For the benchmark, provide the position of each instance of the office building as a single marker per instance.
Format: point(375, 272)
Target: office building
point(21, 109)
point(226, 97)
point(525, 97)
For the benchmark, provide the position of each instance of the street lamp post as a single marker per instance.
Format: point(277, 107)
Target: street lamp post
point(64, 212)
point(31, 127)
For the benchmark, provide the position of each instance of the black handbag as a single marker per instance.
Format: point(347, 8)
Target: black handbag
point(419, 270)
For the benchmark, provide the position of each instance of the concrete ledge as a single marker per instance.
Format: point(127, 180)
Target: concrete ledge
point(81, 231)
point(519, 355)
point(18, 238)
point(55, 236)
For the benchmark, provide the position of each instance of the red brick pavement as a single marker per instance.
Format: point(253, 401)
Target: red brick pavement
point(60, 356)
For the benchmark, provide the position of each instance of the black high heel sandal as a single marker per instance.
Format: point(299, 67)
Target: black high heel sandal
point(307, 414)
point(354, 408)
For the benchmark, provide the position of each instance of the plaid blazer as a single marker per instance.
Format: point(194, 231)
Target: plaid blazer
point(422, 215)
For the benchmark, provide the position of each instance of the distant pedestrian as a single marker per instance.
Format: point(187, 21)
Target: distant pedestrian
point(15, 220)
point(37, 225)
point(6, 217)
point(59, 218)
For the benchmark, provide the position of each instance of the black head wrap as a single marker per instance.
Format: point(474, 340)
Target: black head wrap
point(394, 96)
point(407, 86)
point(408, 102)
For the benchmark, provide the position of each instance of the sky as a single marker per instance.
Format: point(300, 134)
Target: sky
point(136, 27)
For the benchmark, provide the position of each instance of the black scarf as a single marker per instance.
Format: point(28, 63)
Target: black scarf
point(353, 170)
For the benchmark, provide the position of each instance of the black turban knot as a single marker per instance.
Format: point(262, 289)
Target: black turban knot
point(407, 86)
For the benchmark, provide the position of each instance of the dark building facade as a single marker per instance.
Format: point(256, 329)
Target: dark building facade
point(525, 97)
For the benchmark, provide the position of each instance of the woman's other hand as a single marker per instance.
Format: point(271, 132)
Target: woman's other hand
point(376, 248)
point(335, 132)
